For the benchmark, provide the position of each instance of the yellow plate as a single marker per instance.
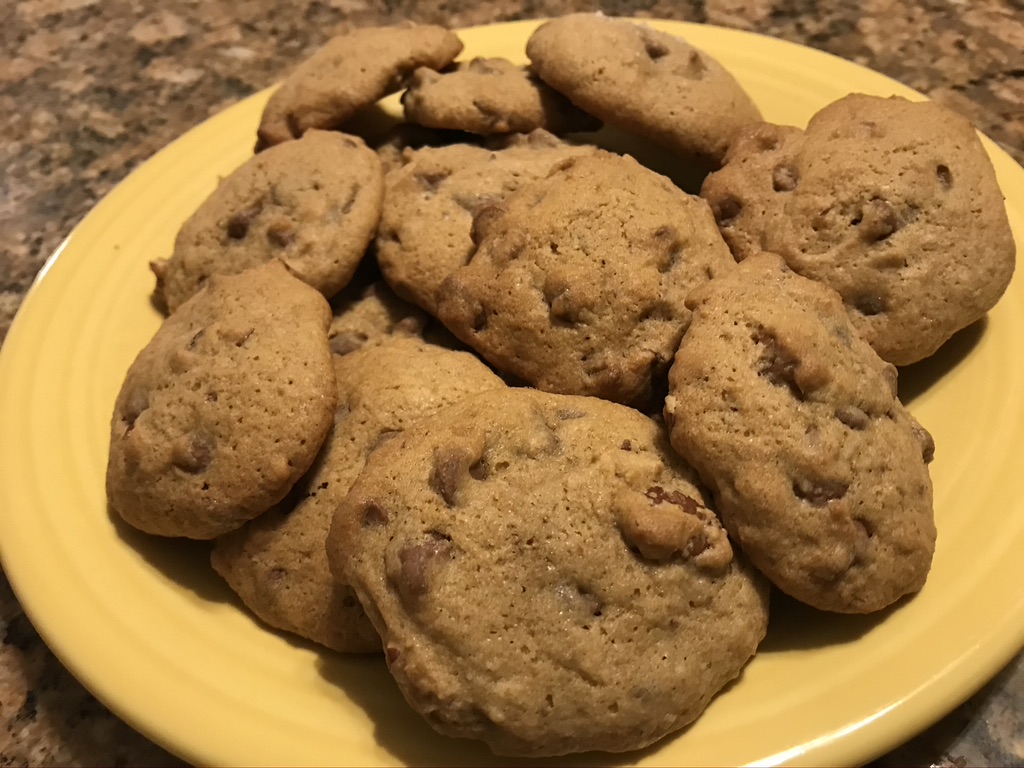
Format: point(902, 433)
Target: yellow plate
point(147, 627)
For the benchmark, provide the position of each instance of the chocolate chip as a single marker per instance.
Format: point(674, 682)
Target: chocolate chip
point(563, 165)
point(374, 515)
point(281, 233)
point(415, 564)
point(556, 292)
point(135, 405)
point(451, 466)
point(870, 303)
point(944, 175)
point(194, 452)
point(238, 225)
point(570, 414)
point(819, 492)
point(659, 495)
point(775, 363)
point(661, 525)
point(670, 248)
point(481, 469)
point(853, 417)
point(478, 324)
point(654, 49)
point(878, 220)
point(348, 205)
point(766, 139)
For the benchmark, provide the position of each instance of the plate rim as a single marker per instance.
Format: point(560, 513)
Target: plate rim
point(971, 672)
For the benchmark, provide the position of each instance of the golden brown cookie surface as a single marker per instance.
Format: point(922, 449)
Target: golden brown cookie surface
point(892, 203)
point(578, 281)
point(277, 563)
point(225, 408)
point(313, 204)
point(820, 474)
point(430, 200)
point(490, 96)
point(643, 80)
point(545, 576)
point(351, 72)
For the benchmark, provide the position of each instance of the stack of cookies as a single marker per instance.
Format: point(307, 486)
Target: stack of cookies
point(526, 417)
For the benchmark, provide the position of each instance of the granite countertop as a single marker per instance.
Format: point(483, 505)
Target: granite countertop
point(91, 88)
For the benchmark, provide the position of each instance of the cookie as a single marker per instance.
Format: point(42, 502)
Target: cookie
point(225, 408)
point(396, 147)
point(351, 72)
point(578, 280)
point(545, 575)
point(644, 81)
point(818, 471)
point(489, 96)
point(373, 317)
point(278, 563)
point(313, 204)
point(429, 204)
point(892, 203)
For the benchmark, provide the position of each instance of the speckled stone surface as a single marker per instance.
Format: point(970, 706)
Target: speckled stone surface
point(91, 88)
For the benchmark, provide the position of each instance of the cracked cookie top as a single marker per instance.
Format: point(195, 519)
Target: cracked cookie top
point(313, 204)
point(225, 408)
point(546, 575)
point(646, 81)
point(819, 472)
point(892, 203)
point(490, 96)
point(277, 563)
point(578, 281)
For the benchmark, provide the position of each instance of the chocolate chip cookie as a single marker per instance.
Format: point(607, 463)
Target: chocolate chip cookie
point(277, 563)
point(373, 317)
point(429, 204)
point(643, 80)
point(892, 203)
point(351, 72)
point(225, 408)
point(546, 576)
point(578, 280)
point(489, 96)
point(313, 204)
point(819, 473)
